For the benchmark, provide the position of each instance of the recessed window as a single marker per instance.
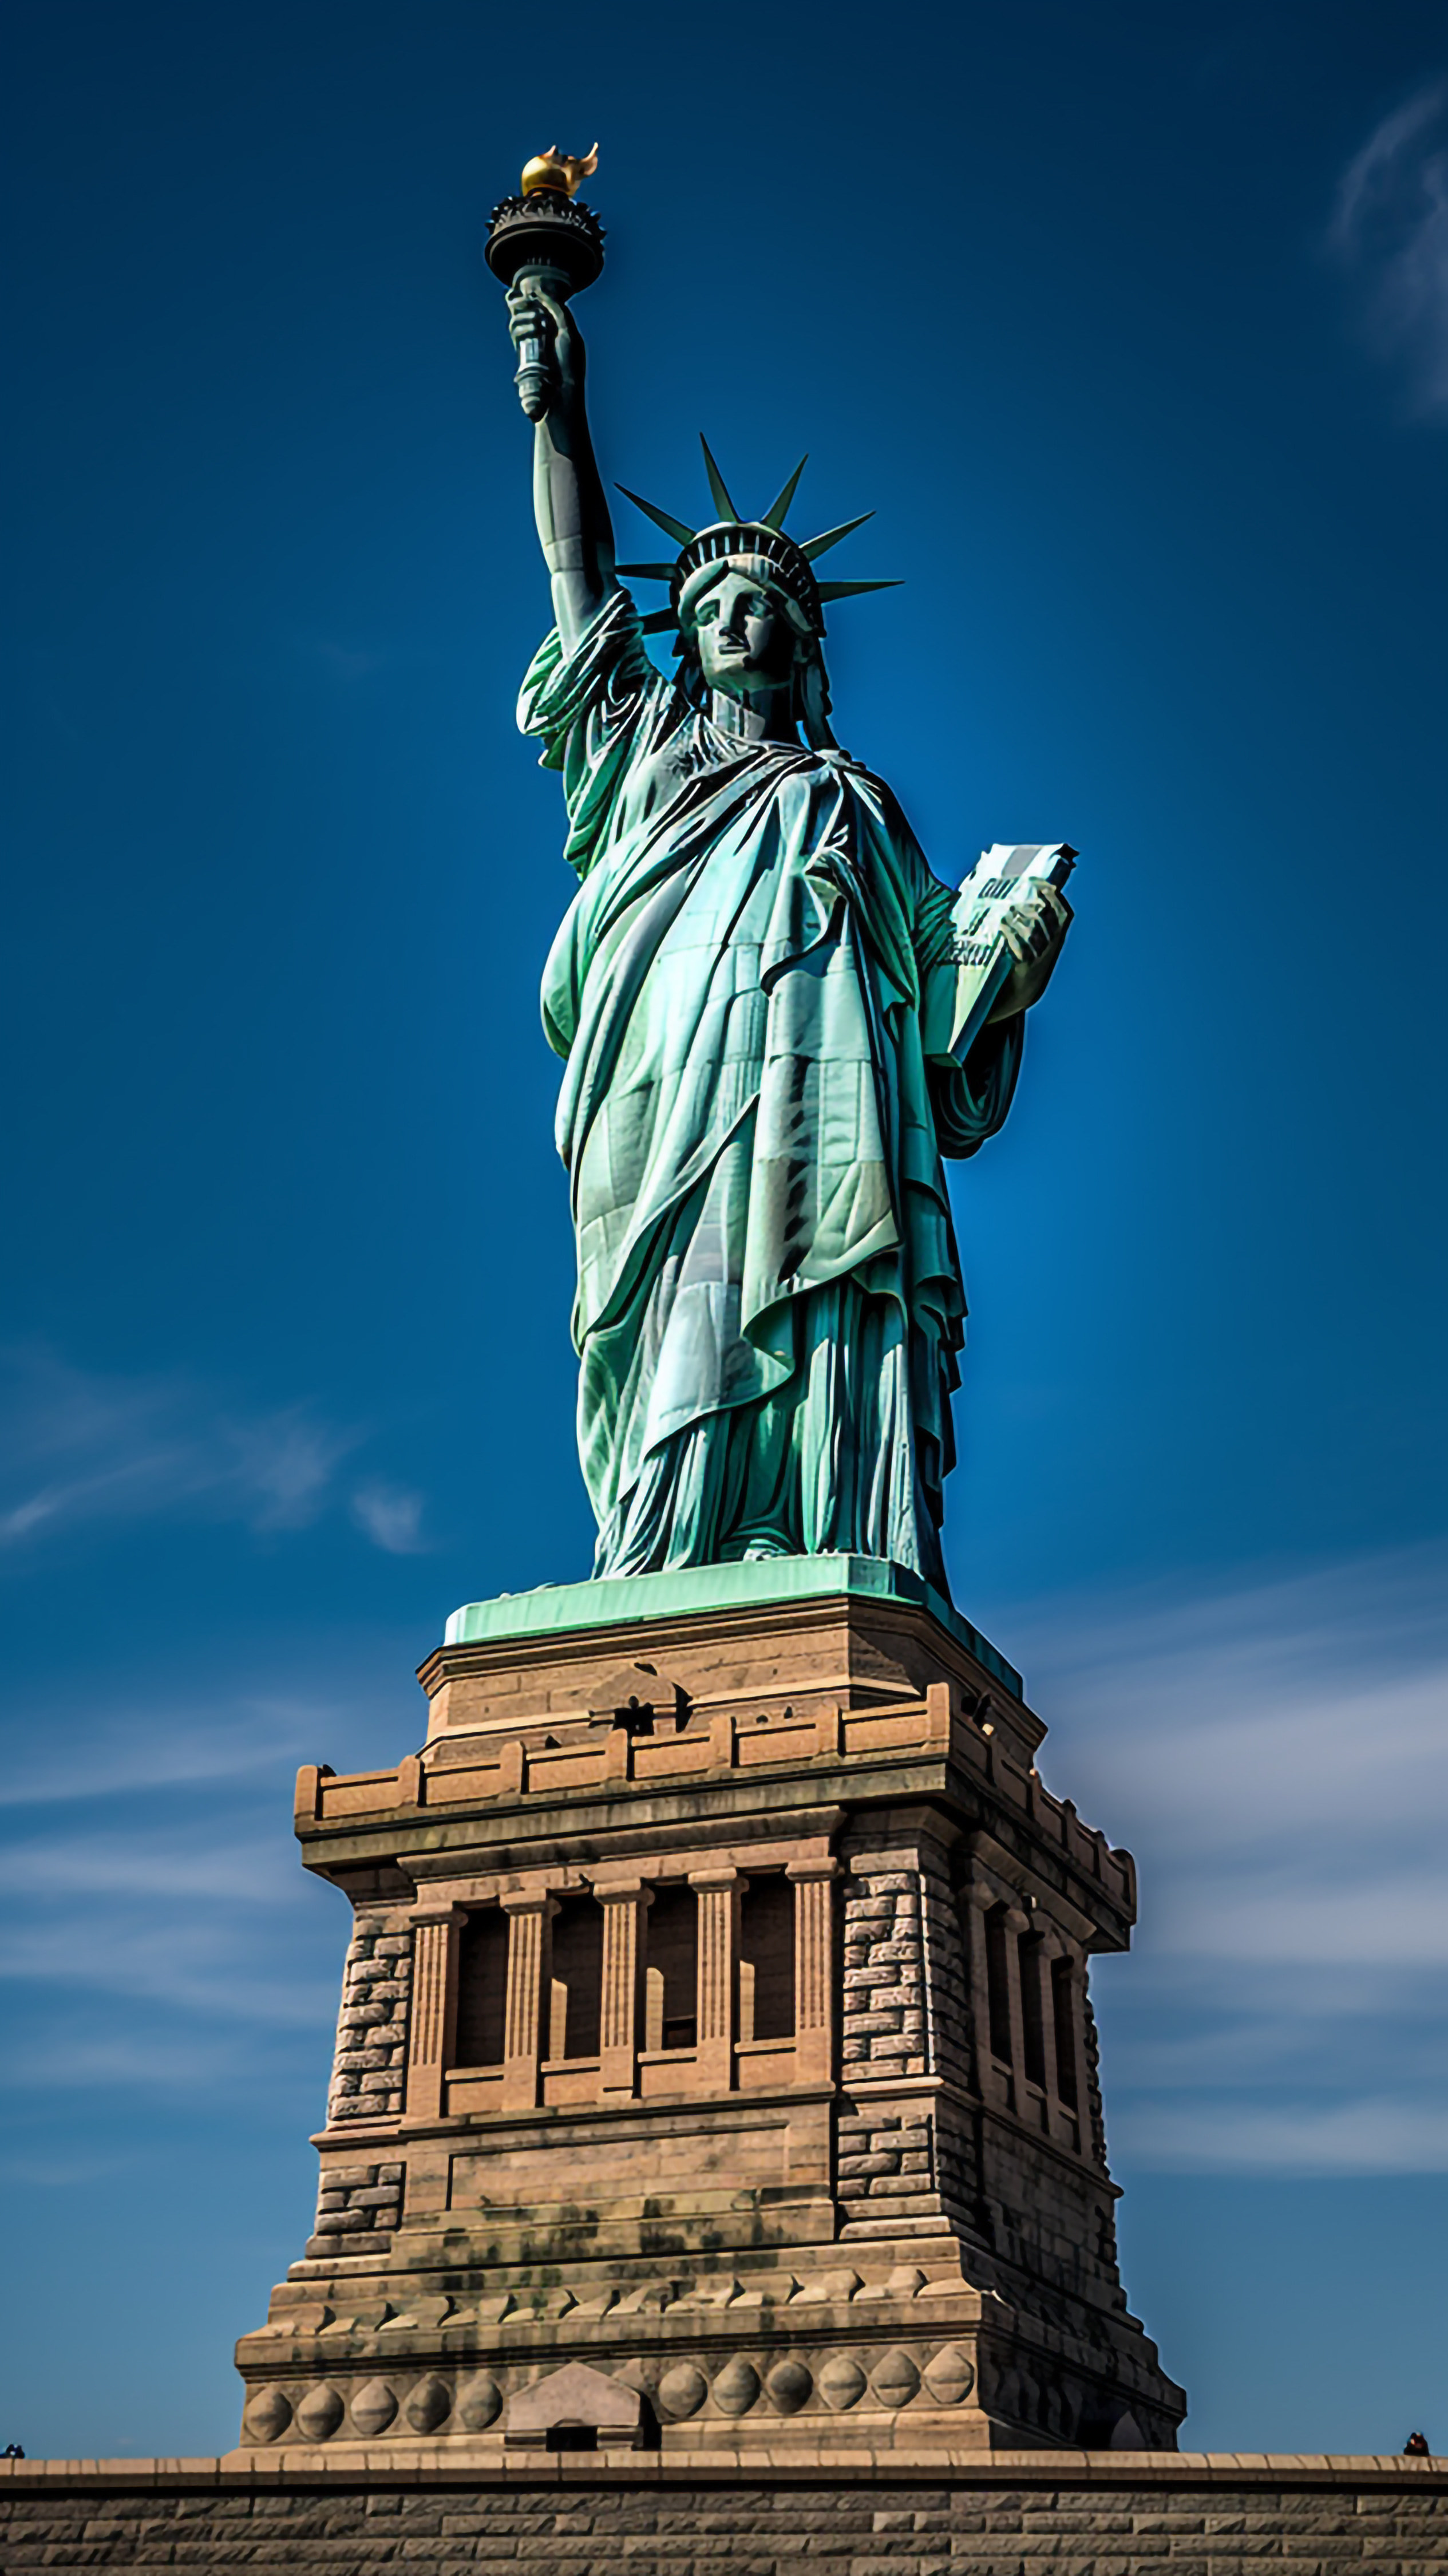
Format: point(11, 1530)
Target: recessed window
point(1063, 2000)
point(671, 1977)
point(482, 1988)
point(998, 1983)
point(1033, 2020)
point(766, 1959)
point(575, 1997)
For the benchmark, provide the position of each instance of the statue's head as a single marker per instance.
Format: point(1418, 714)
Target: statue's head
point(747, 609)
point(748, 632)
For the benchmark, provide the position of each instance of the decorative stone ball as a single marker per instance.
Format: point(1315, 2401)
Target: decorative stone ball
point(895, 2380)
point(373, 2408)
point(841, 2383)
point(949, 2375)
point(682, 2390)
point(319, 2414)
point(480, 2403)
point(788, 2387)
point(268, 2413)
point(737, 2387)
point(429, 2404)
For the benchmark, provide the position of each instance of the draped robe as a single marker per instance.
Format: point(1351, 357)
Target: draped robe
point(770, 1305)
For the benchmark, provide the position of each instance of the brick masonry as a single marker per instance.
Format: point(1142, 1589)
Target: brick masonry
point(358, 2207)
point(369, 2071)
point(884, 2030)
point(1174, 2516)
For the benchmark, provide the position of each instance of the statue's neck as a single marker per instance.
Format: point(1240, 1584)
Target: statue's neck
point(768, 719)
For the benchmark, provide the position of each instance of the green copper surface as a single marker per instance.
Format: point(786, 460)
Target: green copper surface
point(560, 1609)
point(756, 994)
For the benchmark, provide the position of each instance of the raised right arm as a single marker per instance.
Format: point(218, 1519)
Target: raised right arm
point(574, 528)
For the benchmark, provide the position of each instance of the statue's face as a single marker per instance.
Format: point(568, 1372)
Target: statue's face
point(747, 643)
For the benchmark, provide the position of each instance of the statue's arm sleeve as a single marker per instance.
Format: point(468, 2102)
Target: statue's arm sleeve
point(594, 710)
point(970, 1098)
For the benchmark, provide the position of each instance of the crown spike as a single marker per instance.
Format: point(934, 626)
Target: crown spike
point(718, 488)
point(853, 589)
point(674, 528)
point(778, 510)
point(821, 545)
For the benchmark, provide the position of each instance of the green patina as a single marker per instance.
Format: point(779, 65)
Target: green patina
point(566, 1608)
point(756, 992)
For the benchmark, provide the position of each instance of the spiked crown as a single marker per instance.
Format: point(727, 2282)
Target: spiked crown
point(790, 565)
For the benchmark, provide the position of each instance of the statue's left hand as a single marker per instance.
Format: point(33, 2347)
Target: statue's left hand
point(1034, 930)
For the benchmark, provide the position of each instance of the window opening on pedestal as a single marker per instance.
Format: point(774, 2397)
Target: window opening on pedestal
point(1063, 2002)
point(482, 1988)
point(574, 2002)
point(671, 1978)
point(766, 1959)
point(1033, 2020)
point(998, 1983)
point(572, 2437)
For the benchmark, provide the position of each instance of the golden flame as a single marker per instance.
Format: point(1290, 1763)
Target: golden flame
point(560, 171)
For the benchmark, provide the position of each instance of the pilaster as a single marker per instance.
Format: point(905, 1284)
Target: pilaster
point(625, 1904)
point(434, 2005)
point(814, 2035)
point(529, 1915)
point(718, 1892)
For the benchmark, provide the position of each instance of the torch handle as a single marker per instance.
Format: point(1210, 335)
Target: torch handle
point(537, 377)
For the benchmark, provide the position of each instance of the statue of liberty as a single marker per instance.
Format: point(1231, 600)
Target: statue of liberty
point(760, 1082)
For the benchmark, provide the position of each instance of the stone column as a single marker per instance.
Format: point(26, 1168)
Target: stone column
point(528, 1915)
point(814, 2036)
point(624, 1903)
point(435, 1931)
point(718, 1892)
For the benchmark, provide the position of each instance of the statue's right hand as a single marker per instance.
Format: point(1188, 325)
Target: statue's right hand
point(535, 316)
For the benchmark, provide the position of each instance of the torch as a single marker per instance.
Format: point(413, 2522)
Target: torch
point(548, 241)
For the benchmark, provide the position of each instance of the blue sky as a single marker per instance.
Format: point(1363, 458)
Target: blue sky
point(1132, 325)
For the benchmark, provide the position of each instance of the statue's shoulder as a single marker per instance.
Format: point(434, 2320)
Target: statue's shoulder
point(879, 796)
point(603, 680)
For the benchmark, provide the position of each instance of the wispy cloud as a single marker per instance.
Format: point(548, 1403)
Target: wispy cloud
point(1276, 1754)
point(129, 1746)
point(1390, 232)
point(83, 1448)
point(391, 1517)
point(1382, 2135)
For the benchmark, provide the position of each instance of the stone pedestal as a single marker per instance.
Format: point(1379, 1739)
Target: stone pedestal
point(716, 2074)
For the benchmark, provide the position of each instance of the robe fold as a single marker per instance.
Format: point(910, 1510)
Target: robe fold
point(770, 1306)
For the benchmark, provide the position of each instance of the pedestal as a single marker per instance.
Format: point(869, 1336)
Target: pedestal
point(716, 2073)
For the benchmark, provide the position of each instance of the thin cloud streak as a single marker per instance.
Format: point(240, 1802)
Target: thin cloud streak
point(1389, 231)
point(167, 1936)
point(128, 1748)
point(1380, 2136)
point(156, 1865)
point(83, 1451)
